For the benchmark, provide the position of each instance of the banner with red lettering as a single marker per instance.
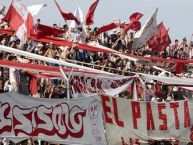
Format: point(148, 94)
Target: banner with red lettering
point(78, 121)
point(84, 84)
point(132, 122)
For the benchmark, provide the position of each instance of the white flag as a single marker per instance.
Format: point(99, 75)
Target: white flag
point(80, 16)
point(146, 32)
point(35, 9)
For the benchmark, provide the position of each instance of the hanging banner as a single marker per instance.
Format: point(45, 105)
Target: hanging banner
point(132, 122)
point(168, 80)
point(169, 66)
point(84, 84)
point(78, 121)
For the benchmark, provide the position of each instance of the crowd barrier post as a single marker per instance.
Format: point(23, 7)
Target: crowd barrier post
point(67, 83)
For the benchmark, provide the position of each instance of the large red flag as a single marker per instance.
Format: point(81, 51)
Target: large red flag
point(67, 16)
point(43, 30)
point(160, 40)
point(90, 14)
point(107, 27)
point(20, 19)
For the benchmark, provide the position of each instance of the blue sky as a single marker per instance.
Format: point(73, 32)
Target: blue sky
point(177, 15)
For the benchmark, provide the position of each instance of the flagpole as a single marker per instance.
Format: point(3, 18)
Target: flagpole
point(144, 87)
point(67, 83)
point(191, 37)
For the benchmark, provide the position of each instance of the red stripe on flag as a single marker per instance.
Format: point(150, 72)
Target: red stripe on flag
point(13, 18)
point(29, 24)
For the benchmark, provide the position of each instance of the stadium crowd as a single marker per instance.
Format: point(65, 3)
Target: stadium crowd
point(12, 79)
point(17, 80)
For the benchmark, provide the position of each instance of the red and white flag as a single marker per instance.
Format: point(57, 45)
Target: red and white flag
point(20, 19)
point(160, 40)
point(146, 32)
point(80, 16)
point(90, 13)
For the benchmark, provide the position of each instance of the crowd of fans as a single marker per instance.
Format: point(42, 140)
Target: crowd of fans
point(17, 80)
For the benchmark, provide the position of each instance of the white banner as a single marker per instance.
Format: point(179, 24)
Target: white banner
point(168, 80)
point(87, 84)
point(78, 121)
point(132, 122)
